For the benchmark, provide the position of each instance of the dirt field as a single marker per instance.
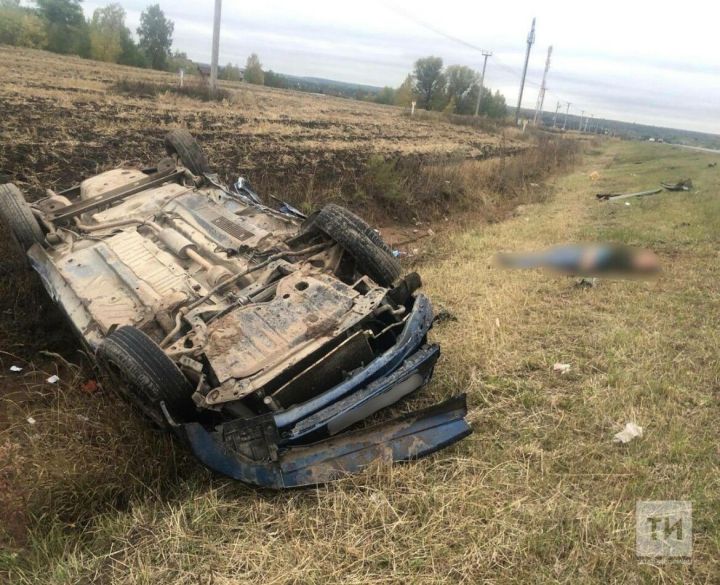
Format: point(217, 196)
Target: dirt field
point(539, 493)
point(62, 121)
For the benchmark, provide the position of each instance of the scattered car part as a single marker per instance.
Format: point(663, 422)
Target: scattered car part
point(684, 185)
point(618, 196)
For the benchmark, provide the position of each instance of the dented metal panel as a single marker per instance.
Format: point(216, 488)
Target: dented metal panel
point(304, 309)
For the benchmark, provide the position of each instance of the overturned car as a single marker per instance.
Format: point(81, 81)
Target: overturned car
point(261, 337)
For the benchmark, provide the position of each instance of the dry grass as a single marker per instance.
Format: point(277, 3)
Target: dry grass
point(422, 189)
point(194, 88)
point(538, 494)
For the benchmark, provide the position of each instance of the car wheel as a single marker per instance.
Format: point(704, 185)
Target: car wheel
point(148, 375)
point(16, 214)
point(359, 224)
point(372, 256)
point(182, 144)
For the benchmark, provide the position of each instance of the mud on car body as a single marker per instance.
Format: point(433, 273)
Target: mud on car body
point(261, 337)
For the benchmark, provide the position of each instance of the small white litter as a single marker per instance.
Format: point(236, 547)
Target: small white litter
point(53, 379)
point(630, 431)
point(627, 203)
point(31, 420)
point(562, 368)
point(15, 369)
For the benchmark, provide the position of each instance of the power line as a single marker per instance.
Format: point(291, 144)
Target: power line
point(433, 28)
point(497, 62)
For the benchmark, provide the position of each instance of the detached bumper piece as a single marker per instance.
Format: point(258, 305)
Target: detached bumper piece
point(408, 437)
point(306, 445)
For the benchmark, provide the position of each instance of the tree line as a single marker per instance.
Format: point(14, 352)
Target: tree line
point(60, 26)
point(453, 89)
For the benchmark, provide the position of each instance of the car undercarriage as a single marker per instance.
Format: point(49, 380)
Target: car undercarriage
point(261, 337)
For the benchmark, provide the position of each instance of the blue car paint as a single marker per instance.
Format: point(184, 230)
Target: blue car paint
point(411, 436)
point(321, 423)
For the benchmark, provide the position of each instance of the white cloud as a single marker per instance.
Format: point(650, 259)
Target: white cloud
point(636, 61)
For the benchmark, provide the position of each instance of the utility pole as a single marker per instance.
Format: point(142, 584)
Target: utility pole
point(580, 125)
point(215, 48)
point(567, 111)
point(485, 54)
point(541, 95)
point(530, 41)
point(557, 109)
point(589, 120)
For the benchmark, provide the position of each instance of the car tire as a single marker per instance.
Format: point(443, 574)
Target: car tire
point(182, 144)
point(372, 256)
point(16, 214)
point(150, 376)
point(359, 224)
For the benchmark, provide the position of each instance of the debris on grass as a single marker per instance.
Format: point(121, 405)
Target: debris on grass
point(54, 379)
point(586, 283)
point(616, 196)
point(31, 420)
point(630, 431)
point(89, 386)
point(561, 368)
point(684, 185)
point(15, 369)
point(443, 315)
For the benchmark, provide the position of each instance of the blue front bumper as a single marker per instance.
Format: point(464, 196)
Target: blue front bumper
point(291, 448)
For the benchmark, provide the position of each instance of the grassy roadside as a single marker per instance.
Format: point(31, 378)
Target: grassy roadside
point(538, 494)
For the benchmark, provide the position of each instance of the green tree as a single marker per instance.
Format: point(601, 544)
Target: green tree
point(405, 94)
point(253, 70)
point(180, 60)
point(231, 72)
point(461, 81)
point(385, 96)
point(273, 79)
point(106, 33)
point(65, 25)
point(494, 106)
point(429, 82)
point(20, 26)
point(155, 34)
point(131, 53)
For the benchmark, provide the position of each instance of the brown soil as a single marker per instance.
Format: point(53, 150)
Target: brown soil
point(62, 121)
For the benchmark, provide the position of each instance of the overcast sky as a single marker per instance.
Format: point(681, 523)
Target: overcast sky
point(645, 62)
